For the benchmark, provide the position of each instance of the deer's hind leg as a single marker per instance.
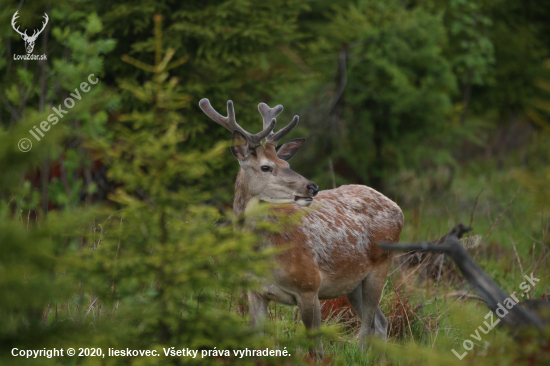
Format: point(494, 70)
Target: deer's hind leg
point(380, 324)
point(371, 292)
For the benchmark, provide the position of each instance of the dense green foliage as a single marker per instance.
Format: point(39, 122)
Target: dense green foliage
point(115, 228)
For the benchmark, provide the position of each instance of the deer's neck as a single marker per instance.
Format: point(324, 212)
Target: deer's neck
point(242, 195)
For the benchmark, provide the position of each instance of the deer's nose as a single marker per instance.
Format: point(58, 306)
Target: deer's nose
point(313, 189)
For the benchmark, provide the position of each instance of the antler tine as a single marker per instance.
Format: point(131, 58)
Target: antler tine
point(228, 122)
point(270, 114)
point(274, 138)
point(266, 131)
point(231, 124)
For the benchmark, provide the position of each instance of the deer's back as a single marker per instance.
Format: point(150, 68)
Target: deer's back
point(342, 225)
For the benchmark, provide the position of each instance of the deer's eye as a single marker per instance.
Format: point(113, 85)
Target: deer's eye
point(266, 168)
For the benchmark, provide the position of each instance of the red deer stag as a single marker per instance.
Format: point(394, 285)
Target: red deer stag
point(333, 251)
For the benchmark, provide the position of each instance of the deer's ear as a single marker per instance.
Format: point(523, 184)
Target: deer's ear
point(239, 146)
point(289, 148)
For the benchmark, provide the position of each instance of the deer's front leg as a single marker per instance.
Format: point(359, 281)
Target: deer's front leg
point(258, 310)
point(310, 311)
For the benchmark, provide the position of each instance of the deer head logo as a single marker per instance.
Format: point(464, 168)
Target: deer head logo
point(29, 40)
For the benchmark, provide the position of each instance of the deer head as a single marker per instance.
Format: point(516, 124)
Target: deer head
point(29, 40)
point(265, 171)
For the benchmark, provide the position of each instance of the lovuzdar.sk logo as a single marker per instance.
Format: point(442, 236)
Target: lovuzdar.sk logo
point(29, 40)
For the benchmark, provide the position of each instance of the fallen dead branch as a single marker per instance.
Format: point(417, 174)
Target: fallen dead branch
point(429, 265)
point(491, 293)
